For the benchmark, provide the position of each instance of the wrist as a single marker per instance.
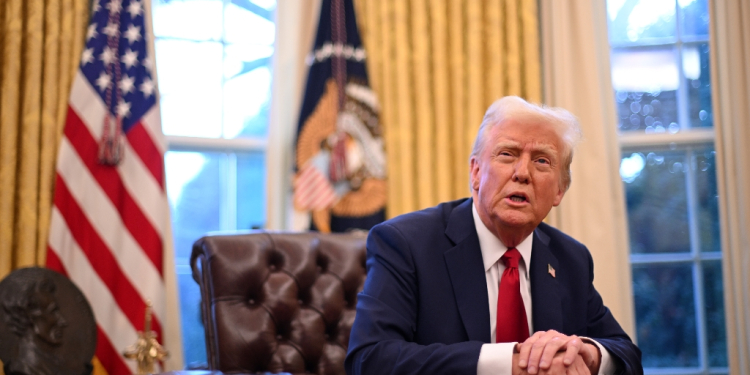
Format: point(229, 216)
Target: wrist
point(595, 358)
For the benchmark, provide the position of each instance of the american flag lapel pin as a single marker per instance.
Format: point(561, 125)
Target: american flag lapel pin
point(551, 270)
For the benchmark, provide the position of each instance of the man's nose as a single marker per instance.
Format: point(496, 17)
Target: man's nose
point(521, 170)
point(61, 320)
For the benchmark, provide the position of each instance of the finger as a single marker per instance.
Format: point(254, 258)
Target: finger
point(580, 367)
point(549, 343)
point(573, 346)
point(556, 367)
point(555, 345)
point(525, 349)
point(572, 370)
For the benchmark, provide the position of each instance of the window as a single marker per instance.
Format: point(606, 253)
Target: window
point(660, 74)
point(214, 73)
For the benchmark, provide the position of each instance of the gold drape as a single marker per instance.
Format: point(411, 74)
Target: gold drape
point(40, 46)
point(436, 66)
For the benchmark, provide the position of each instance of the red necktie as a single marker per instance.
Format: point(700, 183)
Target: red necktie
point(512, 325)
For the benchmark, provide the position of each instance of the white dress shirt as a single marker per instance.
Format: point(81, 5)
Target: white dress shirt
point(497, 358)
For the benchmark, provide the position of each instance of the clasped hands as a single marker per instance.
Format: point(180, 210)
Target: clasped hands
point(552, 352)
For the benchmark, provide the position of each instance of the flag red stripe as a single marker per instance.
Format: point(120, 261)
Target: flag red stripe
point(308, 194)
point(319, 196)
point(108, 355)
point(310, 184)
point(132, 217)
point(54, 262)
point(101, 258)
point(322, 201)
point(104, 350)
point(144, 146)
point(313, 191)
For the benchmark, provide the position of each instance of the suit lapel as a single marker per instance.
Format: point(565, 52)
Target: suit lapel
point(545, 290)
point(466, 271)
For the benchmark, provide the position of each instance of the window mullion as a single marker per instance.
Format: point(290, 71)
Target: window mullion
point(700, 316)
point(228, 189)
point(683, 103)
point(696, 136)
point(695, 249)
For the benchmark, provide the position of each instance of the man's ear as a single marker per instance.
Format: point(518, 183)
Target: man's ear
point(474, 173)
point(558, 197)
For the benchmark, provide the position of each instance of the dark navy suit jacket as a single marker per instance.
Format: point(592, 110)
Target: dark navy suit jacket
point(424, 307)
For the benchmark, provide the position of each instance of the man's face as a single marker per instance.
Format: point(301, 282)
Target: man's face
point(515, 180)
point(47, 320)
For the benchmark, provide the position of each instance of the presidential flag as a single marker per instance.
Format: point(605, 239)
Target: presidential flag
point(340, 156)
point(110, 215)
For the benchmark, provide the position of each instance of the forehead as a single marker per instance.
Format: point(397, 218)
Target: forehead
point(533, 132)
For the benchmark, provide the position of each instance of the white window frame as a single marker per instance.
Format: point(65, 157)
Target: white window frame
point(685, 139)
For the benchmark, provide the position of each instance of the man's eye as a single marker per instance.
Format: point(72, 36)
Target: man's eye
point(543, 161)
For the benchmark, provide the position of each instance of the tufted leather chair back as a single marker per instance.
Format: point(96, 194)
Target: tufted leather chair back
point(274, 301)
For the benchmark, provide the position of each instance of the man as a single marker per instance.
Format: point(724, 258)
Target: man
point(458, 288)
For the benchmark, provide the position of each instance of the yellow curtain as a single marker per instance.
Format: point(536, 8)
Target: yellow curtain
point(436, 66)
point(40, 46)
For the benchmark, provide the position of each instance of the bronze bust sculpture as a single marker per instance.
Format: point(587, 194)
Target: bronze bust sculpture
point(46, 325)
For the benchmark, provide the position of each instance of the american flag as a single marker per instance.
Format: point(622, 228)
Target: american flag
point(110, 215)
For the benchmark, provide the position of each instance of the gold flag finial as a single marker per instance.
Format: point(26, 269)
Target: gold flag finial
point(146, 351)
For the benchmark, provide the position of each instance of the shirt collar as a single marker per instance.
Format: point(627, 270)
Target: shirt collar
point(491, 246)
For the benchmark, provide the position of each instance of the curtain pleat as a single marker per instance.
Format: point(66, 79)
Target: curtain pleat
point(404, 100)
point(27, 174)
point(476, 103)
point(531, 51)
point(495, 51)
point(9, 114)
point(41, 42)
point(436, 66)
point(425, 132)
point(439, 90)
point(457, 105)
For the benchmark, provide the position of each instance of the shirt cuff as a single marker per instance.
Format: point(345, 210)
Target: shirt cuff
point(606, 364)
point(496, 359)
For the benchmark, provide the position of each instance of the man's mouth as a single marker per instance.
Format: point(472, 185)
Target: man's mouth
point(517, 198)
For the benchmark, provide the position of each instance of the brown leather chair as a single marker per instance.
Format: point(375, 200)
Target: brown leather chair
point(278, 302)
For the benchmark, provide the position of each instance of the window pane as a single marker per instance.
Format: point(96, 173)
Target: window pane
point(194, 196)
point(251, 191)
point(645, 82)
point(656, 201)
point(188, 19)
point(190, 102)
point(249, 23)
point(695, 62)
point(195, 199)
point(639, 21)
point(665, 315)
point(704, 164)
point(694, 18)
point(247, 91)
point(193, 334)
point(714, 310)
